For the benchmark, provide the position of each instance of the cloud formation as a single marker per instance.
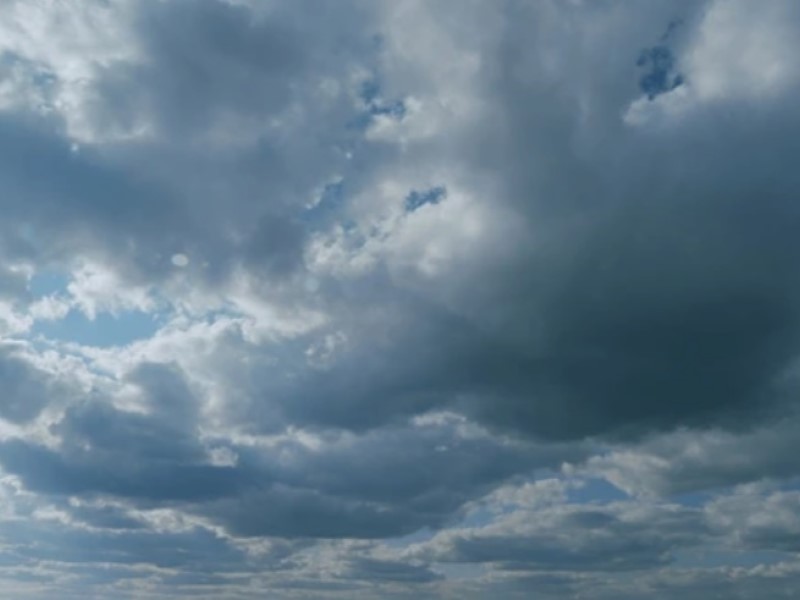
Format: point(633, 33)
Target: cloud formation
point(399, 299)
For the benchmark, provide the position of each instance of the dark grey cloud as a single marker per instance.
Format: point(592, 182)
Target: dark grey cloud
point(405, 358)
point(46, 471)
point(388, 482)
point(242, 64)
point(655, 287)
point(82, 205)
point(26, 389)
point(106, 450)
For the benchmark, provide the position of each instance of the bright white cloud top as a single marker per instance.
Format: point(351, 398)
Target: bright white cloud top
point(399, 299)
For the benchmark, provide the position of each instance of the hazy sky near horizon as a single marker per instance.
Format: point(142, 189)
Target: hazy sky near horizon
point(363, 299)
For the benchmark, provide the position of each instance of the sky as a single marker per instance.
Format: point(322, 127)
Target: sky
point(371, 299)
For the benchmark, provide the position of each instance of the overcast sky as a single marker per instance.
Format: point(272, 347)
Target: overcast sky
point(360, 299)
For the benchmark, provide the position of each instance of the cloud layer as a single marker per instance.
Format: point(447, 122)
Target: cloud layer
point(399, 299)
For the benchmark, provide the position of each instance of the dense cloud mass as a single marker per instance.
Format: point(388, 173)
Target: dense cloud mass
point(354, 299)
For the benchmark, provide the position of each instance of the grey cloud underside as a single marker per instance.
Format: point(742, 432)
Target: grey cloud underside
point(26, 389)
point(667, 297)
point(393, 481)
point(657, 287)
point(576, 539)
point(193, 551)
point(658, 321)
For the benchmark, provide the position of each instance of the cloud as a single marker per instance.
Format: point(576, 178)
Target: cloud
point(392, 481)
point(621, 287)
point(692, 461)
point(27, 389)
point(458, 299)
point(564, 537)
point(759, 517)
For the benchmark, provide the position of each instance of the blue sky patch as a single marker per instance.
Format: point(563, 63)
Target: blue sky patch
point(660, 75)
point(375, 105)
point(105, 330)
point(417, 199)
point(48, 283)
